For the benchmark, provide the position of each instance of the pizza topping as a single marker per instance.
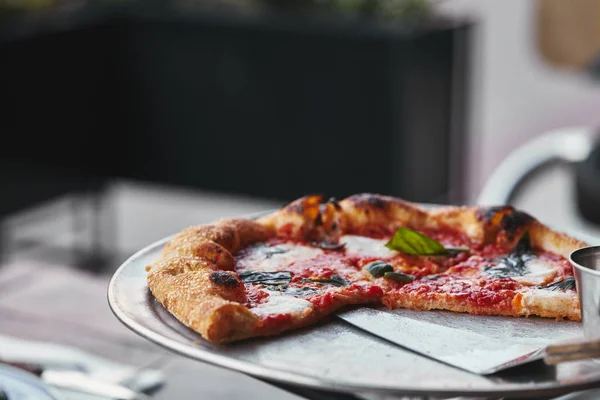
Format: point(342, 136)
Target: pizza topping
point(326, 245)
point(293, 291)
point(277, 303)
point(523, 266)
point(431, 277)
point(255, 294)
point(540, 302)
point(269, 251)
point(266, 278)
point(378, 268)
point(566, 284)
point(412, 242)
point(507, 268)
point(513, 264)
point(334, 280)
point(538, 272)
point(366, 247)
point(223, 278)
point(266, 257)
point(399, 277)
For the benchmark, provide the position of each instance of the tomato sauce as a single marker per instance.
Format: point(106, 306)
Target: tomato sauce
point(457, 277)
point(255, 295)
point(450, 237)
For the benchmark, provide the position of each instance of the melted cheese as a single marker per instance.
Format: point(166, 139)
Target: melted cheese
point(367, 247)
point(261, 260)
point(549, 303)
point(278, 303)
point(539, 272)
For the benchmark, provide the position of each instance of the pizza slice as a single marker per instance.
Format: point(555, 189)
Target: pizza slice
point(241, 278)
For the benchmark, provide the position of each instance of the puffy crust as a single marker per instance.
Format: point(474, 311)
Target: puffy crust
point(189, 278)
point(296, 219)
point(369, 211)
point(217, 242)
point(307, 218)
point(541, 303)
point(186, 287)
point(463, 219)
point(507, 225)
point(553, 241)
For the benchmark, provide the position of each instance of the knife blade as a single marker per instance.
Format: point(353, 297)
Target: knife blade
point(475, 343)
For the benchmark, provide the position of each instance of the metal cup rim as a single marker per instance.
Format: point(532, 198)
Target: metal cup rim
point(583, 268)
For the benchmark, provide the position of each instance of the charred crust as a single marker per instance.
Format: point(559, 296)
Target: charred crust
point(296, 208)
point(513, 222)
point(503, 222)
point(304, 204)
point(376, 201)
point(222, 278)
point(335, 203)
point(319, 220)
point(487, 214)
point(369, 200)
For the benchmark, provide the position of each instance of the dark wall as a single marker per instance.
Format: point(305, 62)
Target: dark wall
point(275, 111)
point(58, 91)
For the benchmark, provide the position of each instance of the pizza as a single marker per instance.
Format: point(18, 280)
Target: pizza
point(240, 278)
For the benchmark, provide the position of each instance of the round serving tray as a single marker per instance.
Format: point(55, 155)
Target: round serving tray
point(332, 355)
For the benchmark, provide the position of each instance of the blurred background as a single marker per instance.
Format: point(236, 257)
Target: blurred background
point(117, 109)
point(124, 121)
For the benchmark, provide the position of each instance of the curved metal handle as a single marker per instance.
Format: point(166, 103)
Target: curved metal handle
point(564, 145)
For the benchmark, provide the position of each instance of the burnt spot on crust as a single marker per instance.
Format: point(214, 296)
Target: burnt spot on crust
point(513, 222)
point(376, 201)
point(319, 220)
point(300, 205)
point(487, 214)
point(335, 203)
point(307, 206)
point(296, 208)
point(506, 217)
point(225, 279)
point(369, 200)
point(504, 223)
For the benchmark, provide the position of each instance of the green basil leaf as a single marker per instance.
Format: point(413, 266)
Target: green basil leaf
point(514, 263)
point(269, 251)
point(414, 243)
point(566, 284)
point(398, 277)
point(266, 278)
point(292, 291)
point(378, 268)
point(454, 251)
point(334, 280)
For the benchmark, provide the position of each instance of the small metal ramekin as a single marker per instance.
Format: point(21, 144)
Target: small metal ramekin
point(586, 266)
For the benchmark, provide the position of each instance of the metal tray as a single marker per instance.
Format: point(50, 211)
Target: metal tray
point(333, 355)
